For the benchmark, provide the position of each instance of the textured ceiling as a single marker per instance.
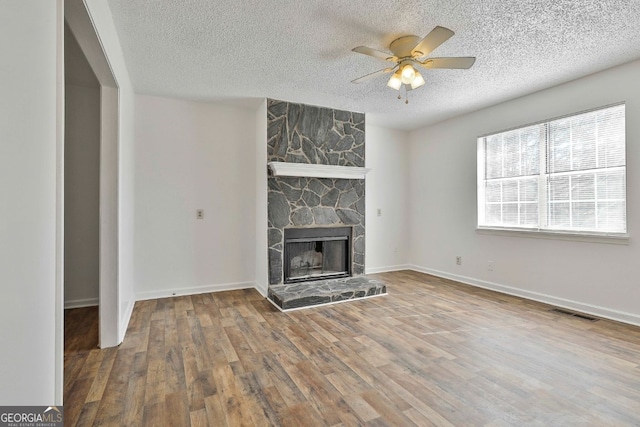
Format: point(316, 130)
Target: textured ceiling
point(300, 50)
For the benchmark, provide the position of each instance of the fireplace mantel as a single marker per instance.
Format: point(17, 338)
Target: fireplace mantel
point(317, 171)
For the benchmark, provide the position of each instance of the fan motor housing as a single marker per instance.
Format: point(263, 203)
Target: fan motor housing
point(402, 47)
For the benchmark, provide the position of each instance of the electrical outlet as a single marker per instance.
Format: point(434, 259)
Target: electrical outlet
point(200, 214)
point(458, 260)
point(379, 212)
point(489, 265)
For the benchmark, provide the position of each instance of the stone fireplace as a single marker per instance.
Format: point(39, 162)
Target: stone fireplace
point(305, 210)
point(307, 134)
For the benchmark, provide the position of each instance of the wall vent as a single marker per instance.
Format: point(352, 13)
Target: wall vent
point(574, 314)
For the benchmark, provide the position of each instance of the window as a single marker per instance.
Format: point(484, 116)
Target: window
point(564, 175)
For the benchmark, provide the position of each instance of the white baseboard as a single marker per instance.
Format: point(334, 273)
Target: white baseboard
point(387, 269)
point(604, 312)
point(78, 303)
point(219, 287)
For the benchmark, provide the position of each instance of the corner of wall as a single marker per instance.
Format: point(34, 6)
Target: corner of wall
point(261, 263)
point(262, 288)
point(388, 201)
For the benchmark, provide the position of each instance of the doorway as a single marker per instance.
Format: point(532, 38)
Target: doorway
point(81, 26)
point(81, 188)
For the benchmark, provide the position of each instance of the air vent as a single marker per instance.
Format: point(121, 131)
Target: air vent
point(571, 313)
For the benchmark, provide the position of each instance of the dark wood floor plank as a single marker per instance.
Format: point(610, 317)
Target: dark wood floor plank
point(199, 418)
point(75, 403)
point(387, 412)
point(287, 389)
point(432, 352)
point(154, 415)
point(174, 370)
point(215, 412)
point(113, 400)
point(235, 410)
point(87, 416)
point(135, 399)
point(176, 409)
point(303, 414)
point(102, 377)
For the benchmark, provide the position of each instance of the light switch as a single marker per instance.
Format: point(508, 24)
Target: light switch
point(379, 212)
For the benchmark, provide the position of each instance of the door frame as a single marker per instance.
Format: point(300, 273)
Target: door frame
point(81, 25)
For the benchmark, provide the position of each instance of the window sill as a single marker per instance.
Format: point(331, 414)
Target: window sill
point(613, 239)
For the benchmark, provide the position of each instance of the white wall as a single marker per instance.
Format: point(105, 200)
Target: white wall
point(30, 42)
point(387, 236)
point(593, 277)
point(190, 156)
point(261, 243)
point(82, 178)
point(82, 195)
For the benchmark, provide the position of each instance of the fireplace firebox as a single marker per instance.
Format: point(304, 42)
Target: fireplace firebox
point(316, 253)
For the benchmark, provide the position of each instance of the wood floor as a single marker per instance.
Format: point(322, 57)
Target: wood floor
point(432, 352)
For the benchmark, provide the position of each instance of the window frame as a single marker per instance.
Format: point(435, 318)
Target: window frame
point(537, 231)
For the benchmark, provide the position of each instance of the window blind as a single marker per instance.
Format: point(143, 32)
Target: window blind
point(563, 174)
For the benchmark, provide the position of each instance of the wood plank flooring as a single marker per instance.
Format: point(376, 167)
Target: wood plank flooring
point(431, 353)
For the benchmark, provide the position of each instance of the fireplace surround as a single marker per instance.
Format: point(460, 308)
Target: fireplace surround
point(314, 138)
point(316, 206)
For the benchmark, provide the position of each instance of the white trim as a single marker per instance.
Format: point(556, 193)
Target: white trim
point(81, 19)
point(58, 394)
point(82, 25)
point(603, 312)
point(79, 303)
point(218, 287)
point(286, 310)
point(124, 320)
point(109, 292)
point(387, 269)
point(613, 239)
point(317, 171)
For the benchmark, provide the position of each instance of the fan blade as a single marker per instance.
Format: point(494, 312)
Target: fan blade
point(435, 38)
point(460, 63)
point(372, 75)
point(375, 53)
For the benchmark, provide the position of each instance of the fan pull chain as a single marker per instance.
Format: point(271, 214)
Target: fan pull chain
point(406, 95)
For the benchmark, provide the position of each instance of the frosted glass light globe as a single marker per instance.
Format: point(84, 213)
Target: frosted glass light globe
point(408, 74)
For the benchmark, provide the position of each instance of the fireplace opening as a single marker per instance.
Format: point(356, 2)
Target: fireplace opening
point(316, 253)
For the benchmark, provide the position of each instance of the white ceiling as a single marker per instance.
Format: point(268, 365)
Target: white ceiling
point(300, 50)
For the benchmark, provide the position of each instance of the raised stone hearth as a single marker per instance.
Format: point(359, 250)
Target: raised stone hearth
point(307, 294)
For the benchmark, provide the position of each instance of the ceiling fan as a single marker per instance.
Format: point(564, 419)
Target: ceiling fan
point(408, 53)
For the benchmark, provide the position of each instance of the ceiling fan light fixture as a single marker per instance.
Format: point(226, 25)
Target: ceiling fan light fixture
point(395, 81)
point(418, 81)
point(408, 73)
point(410, 51)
